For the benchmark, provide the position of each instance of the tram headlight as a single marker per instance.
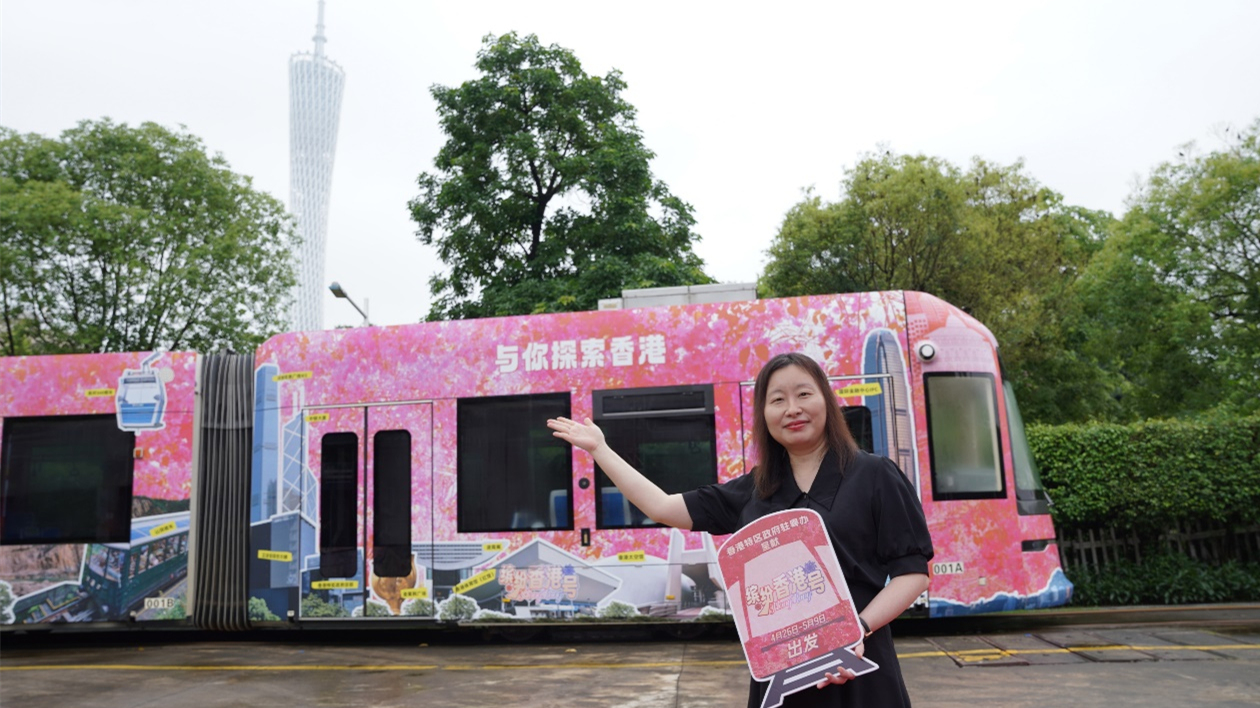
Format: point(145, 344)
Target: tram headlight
point(927, 351)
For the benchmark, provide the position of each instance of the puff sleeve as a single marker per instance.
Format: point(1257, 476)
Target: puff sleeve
point(717, 508)
point(902, 542)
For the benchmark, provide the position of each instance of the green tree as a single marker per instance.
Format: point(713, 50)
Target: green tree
point(617, 610)
point(457, 607)
point(542, 199)
point(315, 606)
point(115, 238)
point(897, 227)
point(371, 609)
point(989, 239)
point(419, 607)
point(1150, 339)
point(178, 611)
point(6, 603)
point(1191, 239)
point(259, 612)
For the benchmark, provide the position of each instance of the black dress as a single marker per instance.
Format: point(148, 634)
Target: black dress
point(877, 527)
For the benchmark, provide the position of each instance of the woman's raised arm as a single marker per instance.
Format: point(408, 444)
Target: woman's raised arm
point(668, 509)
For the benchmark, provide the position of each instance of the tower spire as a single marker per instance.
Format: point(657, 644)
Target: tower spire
point(319, 32)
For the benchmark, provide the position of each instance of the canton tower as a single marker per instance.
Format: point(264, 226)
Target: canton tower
point(315, 86)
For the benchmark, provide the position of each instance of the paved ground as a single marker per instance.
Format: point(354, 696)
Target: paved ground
point(1162, 666)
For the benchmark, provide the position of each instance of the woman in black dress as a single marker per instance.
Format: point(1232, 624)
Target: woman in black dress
point(808, 459)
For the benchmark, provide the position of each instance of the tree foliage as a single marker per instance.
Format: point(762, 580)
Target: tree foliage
point(1156, 314)
point(989, 239)
point(6, 603)
point(543, 199)
point(115, 238)
point(1176, 297)
point(457, 607)
point(1151, 475)
point(260, 612)
point(419, 607)
point(315, 606)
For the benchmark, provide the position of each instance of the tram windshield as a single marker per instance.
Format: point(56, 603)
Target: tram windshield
point(963, 436)
point(1029, 489)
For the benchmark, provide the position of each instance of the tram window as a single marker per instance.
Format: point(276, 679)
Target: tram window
point(391, 459)
point(668, 434)
point(114, 571)
point(963, 437)
point(66, 479)
point(511, 472)
point(97, 559)
point(858, 418)
point(1030, 493)
point(338, 505)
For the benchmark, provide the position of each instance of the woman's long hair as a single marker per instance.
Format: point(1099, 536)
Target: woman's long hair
point(773, 464)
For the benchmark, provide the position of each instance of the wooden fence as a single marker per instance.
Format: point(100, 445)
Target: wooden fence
point(1208, 542)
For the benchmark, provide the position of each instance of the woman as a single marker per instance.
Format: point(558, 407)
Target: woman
point(807, 459)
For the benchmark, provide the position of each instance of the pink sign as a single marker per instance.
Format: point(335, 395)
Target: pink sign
point(792, 606)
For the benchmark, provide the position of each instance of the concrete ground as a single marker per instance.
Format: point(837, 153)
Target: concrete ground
point(1161, 666)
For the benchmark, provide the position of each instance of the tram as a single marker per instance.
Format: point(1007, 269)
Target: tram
point(405, 473)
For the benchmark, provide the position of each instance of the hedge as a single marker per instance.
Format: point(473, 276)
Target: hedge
point(1151, 475)
point(1165, 579)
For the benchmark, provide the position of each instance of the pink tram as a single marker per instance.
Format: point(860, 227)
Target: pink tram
point(406, 472)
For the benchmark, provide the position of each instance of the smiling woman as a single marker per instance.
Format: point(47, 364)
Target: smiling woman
point(807, 460)
point(794, 414)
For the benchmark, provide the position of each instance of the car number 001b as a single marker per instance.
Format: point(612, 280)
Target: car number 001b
point(159, 603)
point(954, 568)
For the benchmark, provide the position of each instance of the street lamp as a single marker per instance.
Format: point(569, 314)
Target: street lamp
point(338, 291)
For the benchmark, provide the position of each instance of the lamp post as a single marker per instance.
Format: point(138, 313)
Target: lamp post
point(338, 291)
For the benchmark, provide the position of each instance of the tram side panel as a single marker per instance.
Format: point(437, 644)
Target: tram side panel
point(97, 473)
point(703, 352)
point(523, 525)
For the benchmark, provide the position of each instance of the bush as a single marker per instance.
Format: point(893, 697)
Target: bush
point(618, 610)
point(259, 612)
point(6, 603)
point(1167, 579)
point(712, 614)
point(495, 616)
point(419, 607)
point(371, 609)
point(315, 606)
point(1152, 475)
point(457, 607)
point(178, 611)
point(1145, 479)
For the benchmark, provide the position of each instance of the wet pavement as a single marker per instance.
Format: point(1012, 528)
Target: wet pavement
point(1173, 664)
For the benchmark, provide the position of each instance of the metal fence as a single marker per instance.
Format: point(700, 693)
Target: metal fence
point(1212, 543)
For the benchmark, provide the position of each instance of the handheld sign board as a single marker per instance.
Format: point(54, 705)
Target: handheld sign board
point(792, 606)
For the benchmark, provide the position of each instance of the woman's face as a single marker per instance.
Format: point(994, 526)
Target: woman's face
point(796, 412)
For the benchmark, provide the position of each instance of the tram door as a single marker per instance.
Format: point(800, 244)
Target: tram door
point(373, 469)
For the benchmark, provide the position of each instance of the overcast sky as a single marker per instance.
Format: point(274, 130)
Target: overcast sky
point(744, 104)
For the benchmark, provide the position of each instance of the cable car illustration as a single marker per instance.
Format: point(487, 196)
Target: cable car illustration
point(141, 399)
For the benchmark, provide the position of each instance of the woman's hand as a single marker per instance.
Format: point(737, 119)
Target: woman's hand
point(586, 435)
point(843, 675)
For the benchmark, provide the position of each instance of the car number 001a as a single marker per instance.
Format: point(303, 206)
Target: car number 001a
point(952, 568)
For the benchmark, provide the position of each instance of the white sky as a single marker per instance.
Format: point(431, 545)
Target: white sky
point(744, 104)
